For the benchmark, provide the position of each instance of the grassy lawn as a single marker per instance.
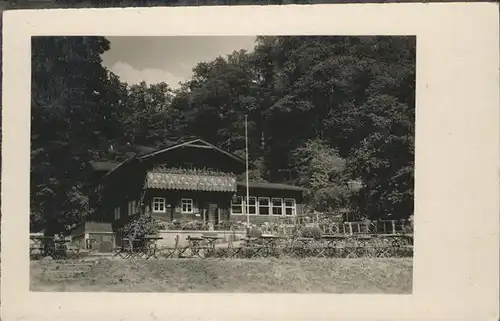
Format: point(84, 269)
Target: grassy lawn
point(365, 275)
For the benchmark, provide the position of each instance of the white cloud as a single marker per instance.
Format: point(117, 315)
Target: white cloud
point(130, 75)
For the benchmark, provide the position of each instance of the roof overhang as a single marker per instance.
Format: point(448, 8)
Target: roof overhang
point(275, 186)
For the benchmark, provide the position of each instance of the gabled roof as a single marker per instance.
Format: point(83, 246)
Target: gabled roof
point(199, 143)
point(103, 166)
point(143, 150)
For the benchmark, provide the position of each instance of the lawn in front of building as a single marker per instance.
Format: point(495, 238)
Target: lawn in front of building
point(360, 275)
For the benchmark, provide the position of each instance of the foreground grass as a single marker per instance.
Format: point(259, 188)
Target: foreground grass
point(363, 275)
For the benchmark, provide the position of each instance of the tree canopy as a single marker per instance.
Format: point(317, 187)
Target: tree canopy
point(323, 112)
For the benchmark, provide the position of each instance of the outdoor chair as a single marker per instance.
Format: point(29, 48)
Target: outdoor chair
point(171, 252)
point(194, 248)
point(36, 251)
point(73, 252)
point(251, 248)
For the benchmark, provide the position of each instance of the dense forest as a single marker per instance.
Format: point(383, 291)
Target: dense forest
point(333, 114)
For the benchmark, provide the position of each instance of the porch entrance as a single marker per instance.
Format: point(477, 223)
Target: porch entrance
point(212, 213)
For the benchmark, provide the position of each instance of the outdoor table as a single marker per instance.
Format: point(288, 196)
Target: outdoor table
point(362, 242)
point(74, 252)
point(195, 246)
point(249, 240)
point(60, 249)
point(41, 243)
point(269, 243)
point(150, 247)
point(122, 251)
point(129, 251)
point(211, 239)
point(304, 240)
point(399, 242)
point(330, 240)
point(383, 246)
point(303, 245)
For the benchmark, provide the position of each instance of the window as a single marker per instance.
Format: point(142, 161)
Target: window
point(277, 206)
point(237, 205)
point(117, 213)
point(289, 206)
point(264, 206)
point(186, 205)
point(252, 206)
point(159, 205)
point(132, 207)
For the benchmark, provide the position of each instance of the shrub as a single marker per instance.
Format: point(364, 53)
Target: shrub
point(141, 226)
point(311, 231)
point(228, 225)
point(255, 232)
point(195, 225)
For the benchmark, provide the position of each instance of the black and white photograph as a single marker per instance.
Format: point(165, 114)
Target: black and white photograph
point(222, 164)
point(316, 162)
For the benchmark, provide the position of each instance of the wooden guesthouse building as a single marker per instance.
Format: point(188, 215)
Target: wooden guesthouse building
point(190, 181)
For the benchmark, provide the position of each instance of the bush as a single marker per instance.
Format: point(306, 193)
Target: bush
point(142, 226)
point(255, 232)
point(227, 225)
point(311, 231)
point(195, 225)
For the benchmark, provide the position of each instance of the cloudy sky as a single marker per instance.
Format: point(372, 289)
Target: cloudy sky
point(168, 59)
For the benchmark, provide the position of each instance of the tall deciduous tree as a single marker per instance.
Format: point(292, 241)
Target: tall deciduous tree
point(73, 105)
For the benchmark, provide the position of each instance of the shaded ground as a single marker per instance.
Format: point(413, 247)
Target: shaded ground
point(365, 275)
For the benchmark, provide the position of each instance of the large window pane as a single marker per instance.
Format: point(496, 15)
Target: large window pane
point(264, 206)
point(277, 206)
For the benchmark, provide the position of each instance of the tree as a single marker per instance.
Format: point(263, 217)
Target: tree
point(73, 104)
point(320, 169)
point(144, 115)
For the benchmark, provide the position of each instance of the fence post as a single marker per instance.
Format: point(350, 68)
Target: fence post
point(393, 226)
point(350, 228)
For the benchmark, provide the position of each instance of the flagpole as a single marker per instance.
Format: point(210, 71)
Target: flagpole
point(247, 207)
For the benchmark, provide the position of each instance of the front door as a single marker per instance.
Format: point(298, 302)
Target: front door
point(213, 213)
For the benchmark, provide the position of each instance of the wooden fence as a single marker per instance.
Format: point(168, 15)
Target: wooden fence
point(347, 228)
point(375, 227)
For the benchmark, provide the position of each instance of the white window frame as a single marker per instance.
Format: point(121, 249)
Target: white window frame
point(161, 201)
point(116, 213)
point(269, 209)
point(237, 205)
point(293, 207)
point(255, 205)
point(131, 207)
point(189, 202)
point(281, 206)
